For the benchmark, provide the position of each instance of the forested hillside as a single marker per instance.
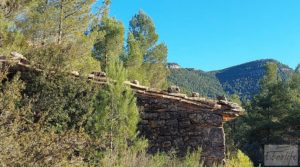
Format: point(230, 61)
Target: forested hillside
point(242, 80)
point(196, 81)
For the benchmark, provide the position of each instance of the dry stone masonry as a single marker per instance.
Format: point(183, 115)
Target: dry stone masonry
point(175, 122)
point(171, 121)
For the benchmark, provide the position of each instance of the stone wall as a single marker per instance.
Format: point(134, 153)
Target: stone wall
point(172, 125)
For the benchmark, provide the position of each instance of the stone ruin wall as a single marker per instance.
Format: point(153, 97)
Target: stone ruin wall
point(172, 125)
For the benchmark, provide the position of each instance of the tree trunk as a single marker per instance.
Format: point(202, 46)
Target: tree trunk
point(60, 25)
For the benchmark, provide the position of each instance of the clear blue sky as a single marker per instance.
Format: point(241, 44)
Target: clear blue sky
point(215, 34)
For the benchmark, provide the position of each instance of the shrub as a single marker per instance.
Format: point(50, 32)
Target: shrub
point(240, 159)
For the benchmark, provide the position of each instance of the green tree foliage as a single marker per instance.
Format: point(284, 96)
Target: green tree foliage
point(66, 21)
point(65, 102)
point(271, 115)
point(196, 81)
point(236, 99)
point(110, 38)
point(27, 141)
point(269, 107)
point(135, 59)
point(11, 7)
point(231, 128)
point(142, 42)
point(60, 25)
point(143, 29)
point(116, 115)
point(291, 121)
point(10, 38)
point(270, 78)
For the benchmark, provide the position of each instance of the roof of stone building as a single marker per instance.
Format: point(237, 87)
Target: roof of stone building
point(228, 109)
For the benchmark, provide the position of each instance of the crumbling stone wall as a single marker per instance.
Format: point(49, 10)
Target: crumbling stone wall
point(172, 125)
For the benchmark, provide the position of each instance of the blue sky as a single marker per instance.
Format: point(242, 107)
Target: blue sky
point(215, 34)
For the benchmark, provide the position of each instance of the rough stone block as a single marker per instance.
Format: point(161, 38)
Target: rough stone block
point(184, 123)
point(164, 131)
point(157, 123)
point(172, 122)
point(146, 115)
point(217, 136)
point(144, 122)
point(167, 144)
point(174, 89)
point(195, 94)
point(206, 119)
point(164, 115)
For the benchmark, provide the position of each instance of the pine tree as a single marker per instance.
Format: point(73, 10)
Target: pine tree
point(56, 21)
point(60, 26)
point(291, 122)
point(270, 114)
point(110, 37)
point(153, 65)
point(262, 107)
point(143, 30)
point(116, 116)
point(156, 66)
point(134, 60)
point(271, 76)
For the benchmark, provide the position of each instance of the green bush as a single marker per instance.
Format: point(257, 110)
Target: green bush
point(239, 160)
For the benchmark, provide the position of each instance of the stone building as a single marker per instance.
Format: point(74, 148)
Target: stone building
point(173, 121)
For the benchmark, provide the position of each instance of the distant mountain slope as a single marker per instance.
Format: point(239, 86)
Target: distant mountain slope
point(196, 81)
point(244, 79)
point(241, 79)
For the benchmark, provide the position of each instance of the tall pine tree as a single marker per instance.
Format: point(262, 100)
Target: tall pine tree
point(110, 38)
point(116, 116)
point(142, 40)
point(271, 115)
point(134, 60)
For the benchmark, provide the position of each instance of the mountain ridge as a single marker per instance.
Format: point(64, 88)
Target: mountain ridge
point(211, 71)
point(242, 79)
